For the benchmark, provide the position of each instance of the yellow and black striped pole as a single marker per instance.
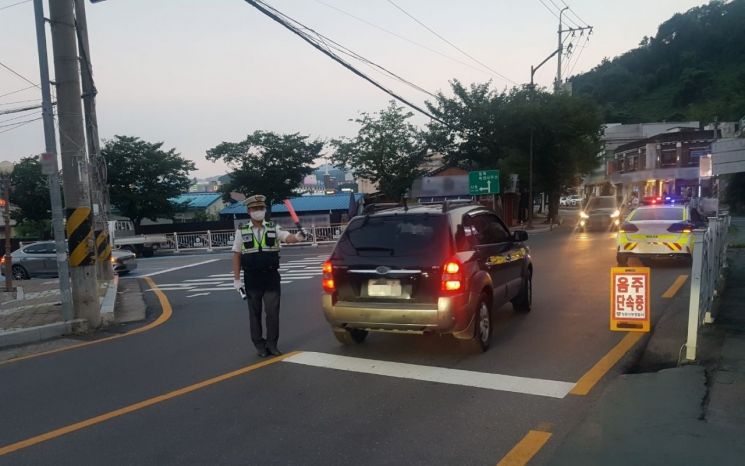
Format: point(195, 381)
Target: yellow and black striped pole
point(103, 246)
point(79, 230)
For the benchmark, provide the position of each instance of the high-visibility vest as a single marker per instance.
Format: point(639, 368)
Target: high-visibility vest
point(269, 242)
point(259, 255)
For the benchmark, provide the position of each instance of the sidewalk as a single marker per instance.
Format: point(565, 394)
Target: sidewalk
point(34, 312)
point(692, 414)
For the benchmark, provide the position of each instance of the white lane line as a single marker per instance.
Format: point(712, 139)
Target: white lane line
point(197, 280)
point(178, 268)
point(507, 383)
point(286, 281)
point(197, 294)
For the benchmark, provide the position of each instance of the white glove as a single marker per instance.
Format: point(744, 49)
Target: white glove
point(237, 284)
point(300, 236)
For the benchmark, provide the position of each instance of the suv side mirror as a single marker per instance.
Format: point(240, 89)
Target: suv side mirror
point(519, 236)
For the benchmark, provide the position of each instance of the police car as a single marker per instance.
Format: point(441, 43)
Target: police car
point(657, 231)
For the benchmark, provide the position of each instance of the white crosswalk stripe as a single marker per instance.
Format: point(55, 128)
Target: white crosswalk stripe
point(290, 271)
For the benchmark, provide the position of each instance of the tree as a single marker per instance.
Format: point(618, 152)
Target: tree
point(30, 194)
point(488, 129)
point(388, 150)
point(267, 163)
point(143, 177)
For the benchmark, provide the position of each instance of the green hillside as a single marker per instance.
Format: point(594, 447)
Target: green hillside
point(692, 69)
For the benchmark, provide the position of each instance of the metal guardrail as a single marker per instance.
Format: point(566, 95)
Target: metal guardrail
point(223, 239)
point(707, 272)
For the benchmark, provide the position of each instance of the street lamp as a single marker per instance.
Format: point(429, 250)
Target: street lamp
point(6, 168)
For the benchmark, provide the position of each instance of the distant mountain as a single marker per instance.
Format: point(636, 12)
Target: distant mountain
point(692, 69)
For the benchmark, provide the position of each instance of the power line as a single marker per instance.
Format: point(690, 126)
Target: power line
point(450, 43)
point(395, 34)
point(21, 123)
point(19, 74)
point(283, 19)
point(581, 49)
point(565, 18)
point(14, 4)
point(16, 92)
point(18, 102)
point(550, 10)
point(575, 14)
point(330, 44)
point(19, 117)
point(19, 110)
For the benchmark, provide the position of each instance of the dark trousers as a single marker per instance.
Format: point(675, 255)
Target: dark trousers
point(270, 300)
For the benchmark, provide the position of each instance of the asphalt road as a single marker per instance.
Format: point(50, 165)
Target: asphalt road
point(298, 410)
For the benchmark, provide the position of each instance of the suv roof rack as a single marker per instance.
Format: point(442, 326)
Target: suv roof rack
point(449, 205)
point(377, 207)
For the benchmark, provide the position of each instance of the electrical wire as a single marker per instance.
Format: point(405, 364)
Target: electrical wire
point(451, 44)
point(19, 110)
point(330, 44)
point(284, 20)
point(575, 13)
point(550, 10)
point(581, 49)
point(19, 102)
point(406, 39)
point(20, 116)
point(16, 92)
point(572, 23)
point(18, 123)
point(14, 4)
point(19, 75)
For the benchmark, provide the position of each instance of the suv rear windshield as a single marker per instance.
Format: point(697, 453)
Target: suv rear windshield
point(602, 203)
point(397, 235)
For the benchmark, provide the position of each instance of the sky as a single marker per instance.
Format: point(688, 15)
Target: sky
point(193, 74)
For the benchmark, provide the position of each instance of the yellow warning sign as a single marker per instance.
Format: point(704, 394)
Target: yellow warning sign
point(630, 308)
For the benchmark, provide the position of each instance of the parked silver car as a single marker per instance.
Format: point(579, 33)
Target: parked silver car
point(39, 260)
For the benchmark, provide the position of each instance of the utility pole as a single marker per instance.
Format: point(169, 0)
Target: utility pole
point(49, 163)
point(74, 163)
point(98, 170)
point(560, 47)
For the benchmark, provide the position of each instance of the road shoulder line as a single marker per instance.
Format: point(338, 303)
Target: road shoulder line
point(593, 376)
point(136, 406)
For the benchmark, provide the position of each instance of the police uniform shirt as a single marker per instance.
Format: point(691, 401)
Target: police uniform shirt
point(258, 234)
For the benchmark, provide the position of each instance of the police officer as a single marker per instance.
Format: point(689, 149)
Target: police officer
point(256, 251)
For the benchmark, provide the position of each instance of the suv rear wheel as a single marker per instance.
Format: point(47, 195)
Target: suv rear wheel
point(482, 333)
point(524, 301)
point(350, 336)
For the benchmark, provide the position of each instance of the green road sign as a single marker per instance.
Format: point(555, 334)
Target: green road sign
point(483, 182)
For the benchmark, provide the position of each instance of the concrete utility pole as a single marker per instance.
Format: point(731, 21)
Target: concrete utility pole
point(98, 170)
point(49, 164)
point(560, 48)
point(74, 164)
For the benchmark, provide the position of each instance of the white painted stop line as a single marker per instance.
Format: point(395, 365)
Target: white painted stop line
point(507, 383)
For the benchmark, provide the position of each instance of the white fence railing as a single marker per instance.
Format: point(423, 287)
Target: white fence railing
point(223, 239)
point(707, 274)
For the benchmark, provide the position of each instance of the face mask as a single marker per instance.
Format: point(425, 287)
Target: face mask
point(258, 215)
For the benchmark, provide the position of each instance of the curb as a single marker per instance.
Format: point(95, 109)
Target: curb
point(108, 302)
point(41, 332)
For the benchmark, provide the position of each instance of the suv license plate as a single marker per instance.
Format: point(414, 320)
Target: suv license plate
point(383, 288)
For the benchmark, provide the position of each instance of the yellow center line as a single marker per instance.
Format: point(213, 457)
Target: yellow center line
point(675, 287)
point(136, 406)
point(593, 376)
point(167, 312)
point(525, 448)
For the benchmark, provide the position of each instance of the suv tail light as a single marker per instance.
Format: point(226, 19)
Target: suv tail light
point(680, 228)
point(328, 278)
point(627, 228)
point(453, 279)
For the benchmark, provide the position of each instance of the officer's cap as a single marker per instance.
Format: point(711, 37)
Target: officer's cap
point(256, 201)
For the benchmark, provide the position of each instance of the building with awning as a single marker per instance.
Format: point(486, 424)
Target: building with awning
point(316, 210)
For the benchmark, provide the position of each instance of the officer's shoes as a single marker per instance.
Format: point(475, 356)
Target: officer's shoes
point(262, 353)
point(274, 351)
